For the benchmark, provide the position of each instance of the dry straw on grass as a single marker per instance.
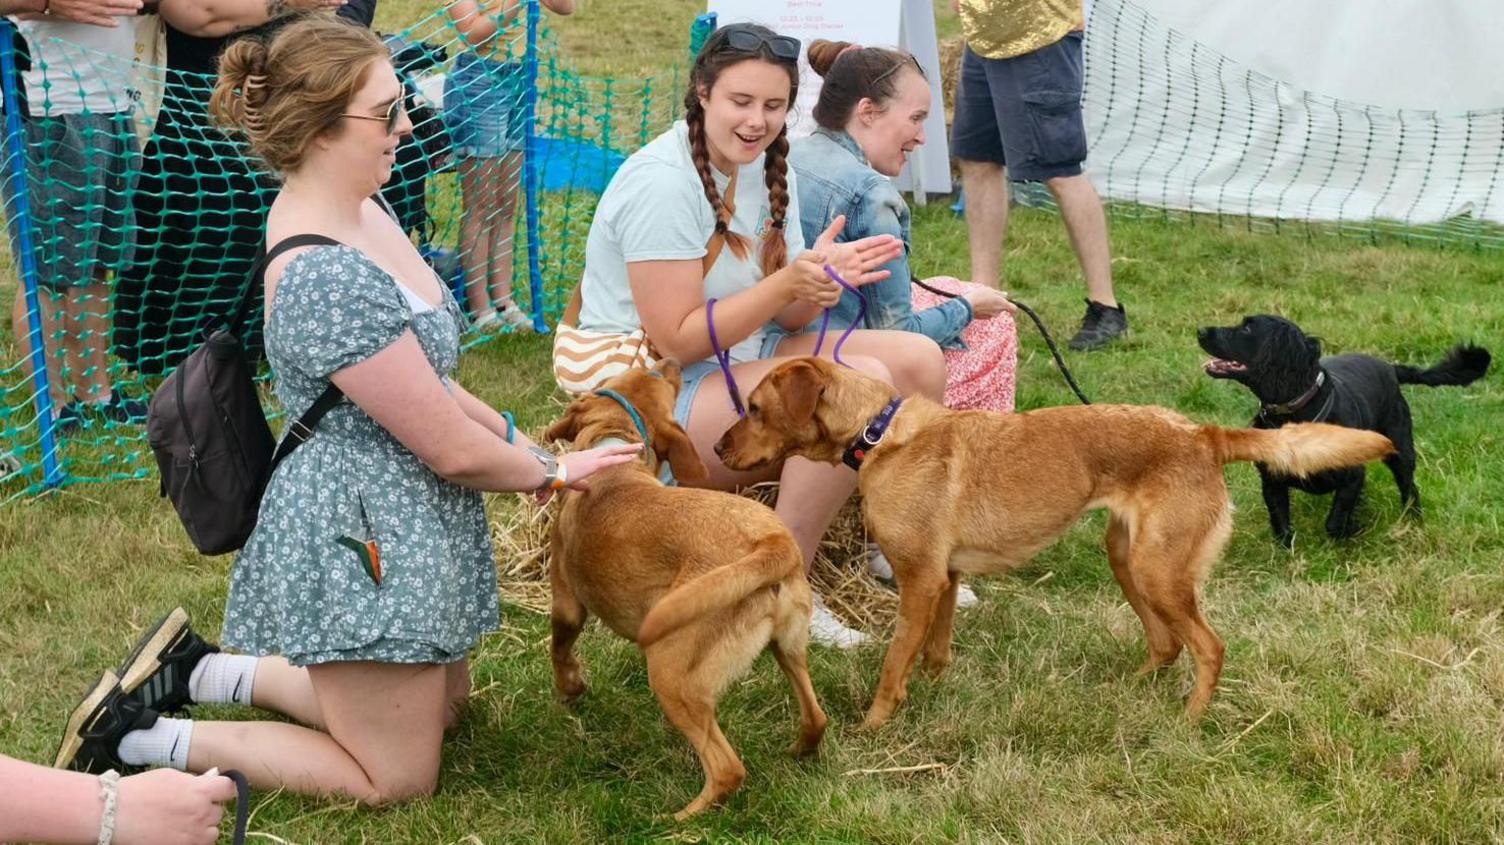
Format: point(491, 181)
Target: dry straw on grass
point(520, 532)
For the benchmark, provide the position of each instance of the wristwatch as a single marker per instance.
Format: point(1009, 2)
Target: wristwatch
point(555, 474)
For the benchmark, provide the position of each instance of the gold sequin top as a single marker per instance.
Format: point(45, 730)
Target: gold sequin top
point(1002, 29)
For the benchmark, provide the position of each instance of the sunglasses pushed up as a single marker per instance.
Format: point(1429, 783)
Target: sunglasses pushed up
point(744, 39)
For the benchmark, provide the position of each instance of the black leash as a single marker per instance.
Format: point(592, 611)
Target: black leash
point(242, 804)
point(1048, 339)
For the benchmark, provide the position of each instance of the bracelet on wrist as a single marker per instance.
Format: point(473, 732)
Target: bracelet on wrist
point(109, 792)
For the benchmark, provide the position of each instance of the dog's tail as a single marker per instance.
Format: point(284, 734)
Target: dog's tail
point(772, 560)
point(1299, 449)
point(1465, 364)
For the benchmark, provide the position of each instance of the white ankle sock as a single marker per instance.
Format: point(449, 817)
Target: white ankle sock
point(221, 678)
point(162, 744)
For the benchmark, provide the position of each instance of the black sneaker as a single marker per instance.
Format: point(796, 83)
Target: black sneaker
point(91, 739)
point(70, 418)
point(1101, 324)
point(122, 410)
point(158, 668)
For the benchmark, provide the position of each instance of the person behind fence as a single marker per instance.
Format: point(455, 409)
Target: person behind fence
point(870, 115)
point(370, 574)
point(484, 97)
point(710, 210)
point(200, 200)
point(80, 155)
point(1018, 116)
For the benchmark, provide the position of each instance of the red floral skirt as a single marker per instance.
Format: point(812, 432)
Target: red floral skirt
point(981, 376)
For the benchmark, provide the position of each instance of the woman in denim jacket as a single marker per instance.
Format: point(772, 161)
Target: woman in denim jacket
point(871, 114)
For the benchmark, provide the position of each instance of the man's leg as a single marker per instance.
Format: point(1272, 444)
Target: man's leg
point(1086, 223)
point(977, 143)
point(986, 187)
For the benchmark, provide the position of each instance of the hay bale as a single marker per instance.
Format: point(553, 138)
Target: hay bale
point(520, 531)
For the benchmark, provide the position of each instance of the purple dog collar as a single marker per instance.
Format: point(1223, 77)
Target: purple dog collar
point(871, 435)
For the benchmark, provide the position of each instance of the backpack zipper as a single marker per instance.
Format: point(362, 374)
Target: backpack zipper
point(187, 426)
point(234, 439)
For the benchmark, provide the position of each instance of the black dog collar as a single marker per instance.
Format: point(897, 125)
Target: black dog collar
point(1304, 399)
point(871, 435)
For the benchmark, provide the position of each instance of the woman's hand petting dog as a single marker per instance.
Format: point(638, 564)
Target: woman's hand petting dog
point(579, 466)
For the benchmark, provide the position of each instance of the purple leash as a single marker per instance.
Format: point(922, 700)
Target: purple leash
point(724, 358)
point(861, 314)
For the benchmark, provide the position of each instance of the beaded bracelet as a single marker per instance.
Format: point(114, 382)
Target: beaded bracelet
point(109, 790)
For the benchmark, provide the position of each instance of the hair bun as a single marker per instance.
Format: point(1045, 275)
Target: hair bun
point(823, 54)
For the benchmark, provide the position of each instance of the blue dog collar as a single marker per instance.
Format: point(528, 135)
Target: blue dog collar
point(631, 412)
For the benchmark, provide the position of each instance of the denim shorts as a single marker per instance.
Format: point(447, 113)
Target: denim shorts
point(79, 175)
point(695, 374)
point(483, 106)
point(1024, 111)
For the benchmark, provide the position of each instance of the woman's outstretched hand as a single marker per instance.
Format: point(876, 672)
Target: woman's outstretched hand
point(858, 261)
point(579, 466)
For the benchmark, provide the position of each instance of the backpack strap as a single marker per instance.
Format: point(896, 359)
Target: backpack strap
point(300, 429)
point(258, 275)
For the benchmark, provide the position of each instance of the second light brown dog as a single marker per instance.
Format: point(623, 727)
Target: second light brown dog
point(947, 493)
point(702, 581)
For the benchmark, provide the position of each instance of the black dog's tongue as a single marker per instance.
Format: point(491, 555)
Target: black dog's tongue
point(1221, 367)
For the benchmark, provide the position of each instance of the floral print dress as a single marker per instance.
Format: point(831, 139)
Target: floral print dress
point(360, 551)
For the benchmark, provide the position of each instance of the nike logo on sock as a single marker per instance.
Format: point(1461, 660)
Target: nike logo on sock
point(235, 694)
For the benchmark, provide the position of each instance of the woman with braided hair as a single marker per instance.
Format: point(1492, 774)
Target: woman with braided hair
point(710, 210)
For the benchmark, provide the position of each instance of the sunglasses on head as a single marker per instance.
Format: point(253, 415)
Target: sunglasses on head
point(750, 41)
point(392, 117)
point(896, 68)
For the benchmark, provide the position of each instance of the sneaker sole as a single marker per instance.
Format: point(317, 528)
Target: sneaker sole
point(142, 661)
point(83, 716)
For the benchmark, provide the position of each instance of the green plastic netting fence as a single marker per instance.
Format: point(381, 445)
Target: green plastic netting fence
point(1176, 131)
point(122, 311)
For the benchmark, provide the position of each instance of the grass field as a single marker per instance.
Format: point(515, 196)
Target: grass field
point(1364, 686)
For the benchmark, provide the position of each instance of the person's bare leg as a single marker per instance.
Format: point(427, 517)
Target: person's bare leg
point(386, 728)
point(986, 187)
point(1086, 223)
point(475, 247)
point(286, 689)
point(86, 341)
point(501, 226)
point(54, 323)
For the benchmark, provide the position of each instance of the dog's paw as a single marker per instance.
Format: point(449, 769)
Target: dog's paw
point(569, 686)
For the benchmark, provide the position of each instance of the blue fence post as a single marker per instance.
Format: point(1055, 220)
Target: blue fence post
point(15, 154)
point(531, 149)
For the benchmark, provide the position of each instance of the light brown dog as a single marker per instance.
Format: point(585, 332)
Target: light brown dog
point(947, 493)
point(703, 581)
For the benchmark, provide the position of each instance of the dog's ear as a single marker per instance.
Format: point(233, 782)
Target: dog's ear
point(801, 385)
point(672, 444)
point(565, 427)
point(1313, 347)
point(671, 369)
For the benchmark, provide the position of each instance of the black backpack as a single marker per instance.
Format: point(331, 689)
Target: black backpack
point(205, 425)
